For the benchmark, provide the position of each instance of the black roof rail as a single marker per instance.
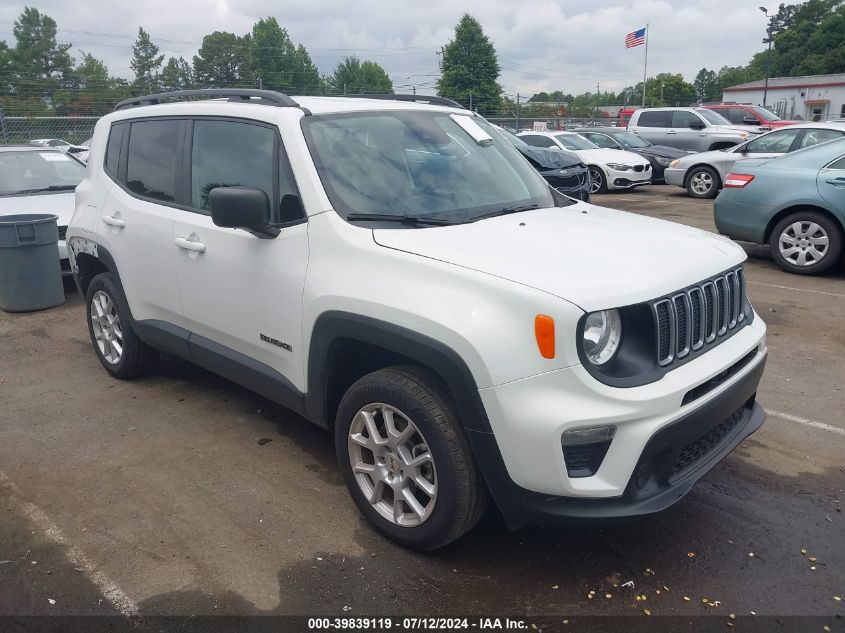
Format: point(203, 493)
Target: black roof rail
point(243, 95)
point(433, 100)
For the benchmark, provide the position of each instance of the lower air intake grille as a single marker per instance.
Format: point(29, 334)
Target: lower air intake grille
point(701, 447)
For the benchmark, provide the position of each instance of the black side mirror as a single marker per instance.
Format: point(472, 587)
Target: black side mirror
point(696, 125)
point(750, 120)
point(242, 208)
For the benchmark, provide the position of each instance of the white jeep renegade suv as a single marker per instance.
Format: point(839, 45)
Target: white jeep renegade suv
point(395, 271)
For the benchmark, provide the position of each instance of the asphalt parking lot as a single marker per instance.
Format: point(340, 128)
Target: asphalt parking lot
point(164, 495)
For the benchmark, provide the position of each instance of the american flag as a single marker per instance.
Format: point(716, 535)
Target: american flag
point(635, 38)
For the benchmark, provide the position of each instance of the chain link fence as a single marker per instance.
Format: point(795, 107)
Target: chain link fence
point(20, 129)
point(78, 129)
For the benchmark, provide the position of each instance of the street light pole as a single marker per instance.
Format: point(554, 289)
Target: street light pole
point(769, 30)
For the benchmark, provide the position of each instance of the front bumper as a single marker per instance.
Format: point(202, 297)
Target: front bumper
point(627, 179)
point(665, 439)
point(674, 176)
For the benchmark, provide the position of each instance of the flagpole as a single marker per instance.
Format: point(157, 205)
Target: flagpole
point(645, 63)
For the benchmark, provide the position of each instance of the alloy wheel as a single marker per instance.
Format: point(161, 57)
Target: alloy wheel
point(392, 464)
point(105, 323)
point(596, 180)
point(701, 183)
point(803, 243)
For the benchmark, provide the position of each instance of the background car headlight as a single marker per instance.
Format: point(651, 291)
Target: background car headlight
point(675, 162)
point(601, 336)
point(662, 161)
point(620, 167)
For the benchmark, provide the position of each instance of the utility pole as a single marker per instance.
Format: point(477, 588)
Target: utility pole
point(470, 101)
point(414, 89)
point(598, 101)
point(661, 92)
point(517, 112)
point(769, 30)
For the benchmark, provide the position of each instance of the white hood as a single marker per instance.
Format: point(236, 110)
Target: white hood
point(603, 156)
point(592, 256)
point(60, 204)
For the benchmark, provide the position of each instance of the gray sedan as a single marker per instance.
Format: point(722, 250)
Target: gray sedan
point(702, 174)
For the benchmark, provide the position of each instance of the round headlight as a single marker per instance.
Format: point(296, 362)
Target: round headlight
point(602, 335)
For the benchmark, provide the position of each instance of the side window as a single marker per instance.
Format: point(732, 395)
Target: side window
point(151, 164)
point(682, 118)
point(602, 140)
point(837, 164)
point(736, 116)
point(113, 146)
point(538, 141)
point(775, 143)
point(660, 118)
point(814, 137)
point(235, 154)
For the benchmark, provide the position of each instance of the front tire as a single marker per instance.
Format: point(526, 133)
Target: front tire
point(117, 346)
point(598, 181)
point(703, 182)
point(806, 243)
point(406, 460)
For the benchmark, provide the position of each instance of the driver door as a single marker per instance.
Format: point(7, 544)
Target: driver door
point(241, 294)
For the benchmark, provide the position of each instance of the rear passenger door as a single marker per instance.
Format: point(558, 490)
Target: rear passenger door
point(136, 220)
point(652, 125)
point(242, 295)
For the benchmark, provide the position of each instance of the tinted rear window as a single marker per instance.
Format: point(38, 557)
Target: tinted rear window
point(113, 148)
point(151, 165)
point(654, 119)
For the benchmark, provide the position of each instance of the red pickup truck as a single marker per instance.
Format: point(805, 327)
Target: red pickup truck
point(744, 114)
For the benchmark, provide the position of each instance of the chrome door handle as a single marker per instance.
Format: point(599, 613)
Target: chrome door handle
point(188, 245)
point(113, 221)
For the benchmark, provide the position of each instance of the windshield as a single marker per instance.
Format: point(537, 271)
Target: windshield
point(32, 171)
point(769, 116)
point(575, 142)
point(409, 163)
point(629, 139)
point(713, 117)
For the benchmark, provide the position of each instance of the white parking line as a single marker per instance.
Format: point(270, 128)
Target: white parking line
point(813, 424)
point(73, 554)
point(816, 292)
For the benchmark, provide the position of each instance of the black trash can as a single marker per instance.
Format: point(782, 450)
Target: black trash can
point(30, 270)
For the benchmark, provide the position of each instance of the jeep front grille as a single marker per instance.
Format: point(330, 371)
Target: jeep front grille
point(703, 314)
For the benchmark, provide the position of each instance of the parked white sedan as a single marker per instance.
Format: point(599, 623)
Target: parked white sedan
point(702, 174)
point(609, 168)
point(40, 180)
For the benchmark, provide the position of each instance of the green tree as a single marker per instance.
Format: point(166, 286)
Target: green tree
point(351, 75)
point(469, 69)
point(278, 64)
point(146, 63)
point(705, 85)
point(733, 76)
point(38, 63)
point(223, 60)
point(176, 75)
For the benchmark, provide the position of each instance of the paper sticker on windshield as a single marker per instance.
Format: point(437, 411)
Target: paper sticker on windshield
point(473, 129)
point(52, 156)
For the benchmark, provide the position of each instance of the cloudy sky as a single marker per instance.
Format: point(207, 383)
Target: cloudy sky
point(542, 45)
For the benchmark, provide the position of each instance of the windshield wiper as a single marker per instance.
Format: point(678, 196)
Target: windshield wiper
point(404, 219)
point(505, 211)
point(42, 189)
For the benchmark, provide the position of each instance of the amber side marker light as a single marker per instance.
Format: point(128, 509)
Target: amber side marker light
point(544, 330)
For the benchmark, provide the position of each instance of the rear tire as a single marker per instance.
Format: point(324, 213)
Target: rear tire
point(375, 441)
point(598, 181)
point(703, 182)
point(806, 243)
point(117, 346)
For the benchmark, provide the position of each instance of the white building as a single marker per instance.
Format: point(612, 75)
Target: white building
point(810, 98)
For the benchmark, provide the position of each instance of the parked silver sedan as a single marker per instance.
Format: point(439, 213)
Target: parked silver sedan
point(702, 174)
